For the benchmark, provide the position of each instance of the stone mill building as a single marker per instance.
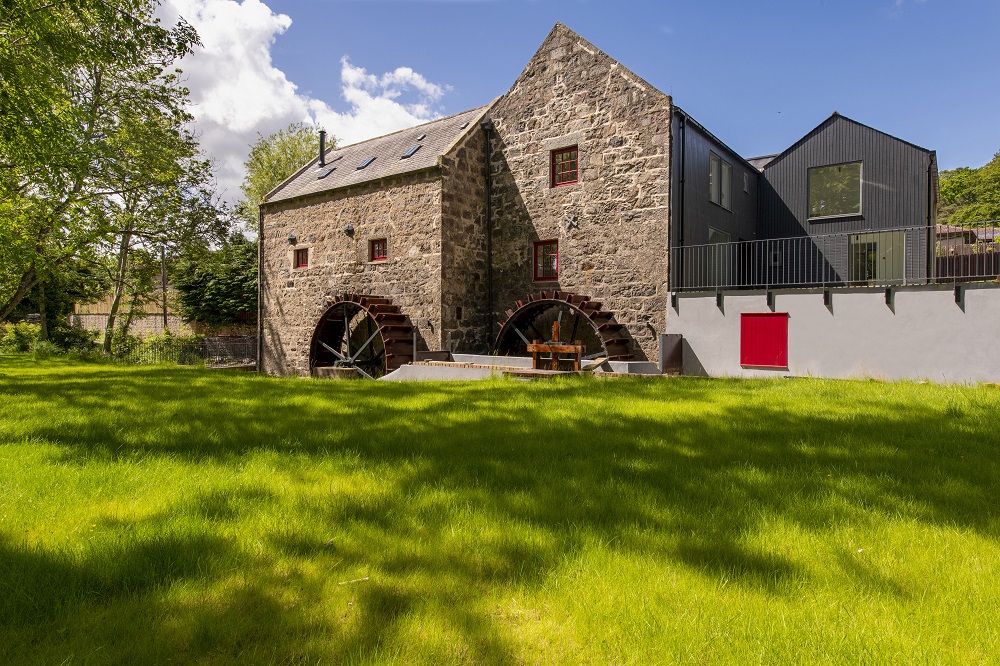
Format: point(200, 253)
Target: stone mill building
point(456, 229)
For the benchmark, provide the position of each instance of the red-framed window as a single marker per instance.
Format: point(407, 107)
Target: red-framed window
point(546, 260)
point(764, 340)
point(378, 250)
point(565, 169)
point(302, 258)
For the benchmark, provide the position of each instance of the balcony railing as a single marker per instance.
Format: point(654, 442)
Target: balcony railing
point(888, 257)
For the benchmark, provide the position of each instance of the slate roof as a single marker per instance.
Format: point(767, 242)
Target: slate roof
point(388, 151)
point(760, 162)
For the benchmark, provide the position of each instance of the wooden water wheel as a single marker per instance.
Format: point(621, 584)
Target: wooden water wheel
point(367, 333)
point(580, 319)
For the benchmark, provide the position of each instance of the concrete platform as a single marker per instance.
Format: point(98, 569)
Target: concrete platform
point(466, 367)
point(421, 372)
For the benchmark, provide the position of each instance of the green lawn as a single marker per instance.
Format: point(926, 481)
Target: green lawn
point(176, 515)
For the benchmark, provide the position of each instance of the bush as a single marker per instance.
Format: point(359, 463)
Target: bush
point(19, 337)
point(45, 349)
point(74, 338)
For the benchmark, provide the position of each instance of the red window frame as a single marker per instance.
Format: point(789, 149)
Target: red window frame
point(302, 257)
point(546, 260)
point(565, 166)
point(764, 340)
point(378, 249)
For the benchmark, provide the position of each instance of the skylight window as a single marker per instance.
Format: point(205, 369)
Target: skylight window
point(411, 151)
point(326, 172)
point(464, 125)
point(421, 137)
point(366, 163)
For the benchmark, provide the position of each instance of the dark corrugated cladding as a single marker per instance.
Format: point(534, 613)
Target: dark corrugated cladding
point(894, 177)
point(897, 187)
point(692, 144)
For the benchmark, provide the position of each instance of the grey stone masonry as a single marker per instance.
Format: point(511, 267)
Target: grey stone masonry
point(612, 224)
point(406, 213)
point(463, 246)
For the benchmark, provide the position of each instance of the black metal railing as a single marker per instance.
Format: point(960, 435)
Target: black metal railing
point(887, 257)
point(211, 352)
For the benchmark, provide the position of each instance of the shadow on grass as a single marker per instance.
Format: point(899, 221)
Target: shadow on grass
point(691, 465)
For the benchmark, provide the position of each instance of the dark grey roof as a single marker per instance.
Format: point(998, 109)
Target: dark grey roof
point(388, 152)
point(760, 162)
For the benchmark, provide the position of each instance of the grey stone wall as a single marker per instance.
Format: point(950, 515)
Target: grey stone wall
point(569, 94)
point(406, 211)
point(465, 324)
point(143, 325)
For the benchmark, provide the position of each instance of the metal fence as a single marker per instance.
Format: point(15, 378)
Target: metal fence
point(889, 257)
point(216, 352)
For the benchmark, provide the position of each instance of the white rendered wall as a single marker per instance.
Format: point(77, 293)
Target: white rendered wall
point(923, 335)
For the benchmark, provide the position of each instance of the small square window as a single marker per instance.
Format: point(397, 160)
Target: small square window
point(565, 166)
point(302, 258)
point(546, 260)
point(378, 250)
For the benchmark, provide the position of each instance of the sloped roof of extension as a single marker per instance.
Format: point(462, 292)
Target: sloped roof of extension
point(834, 117)
point(344, 165)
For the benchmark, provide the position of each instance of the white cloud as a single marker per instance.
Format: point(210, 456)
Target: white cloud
point(237, 92)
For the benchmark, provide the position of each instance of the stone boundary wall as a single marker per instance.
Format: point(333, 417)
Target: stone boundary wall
point(145, 326)
point(923, 335)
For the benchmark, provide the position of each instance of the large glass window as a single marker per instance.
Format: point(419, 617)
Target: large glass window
point(835, 190)
point(720, 181)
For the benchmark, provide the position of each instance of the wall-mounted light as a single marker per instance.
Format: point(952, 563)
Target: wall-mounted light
point(349, 229)
point(292, 239)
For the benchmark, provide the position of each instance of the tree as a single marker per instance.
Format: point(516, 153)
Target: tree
point(218, 286)
point(969, 195)
point(87, 100)
point(272, 159)
point(167, 215)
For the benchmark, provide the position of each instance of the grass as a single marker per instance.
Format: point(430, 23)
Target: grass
point(175, 515)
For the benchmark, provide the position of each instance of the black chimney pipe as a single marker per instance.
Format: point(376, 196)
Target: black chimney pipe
point(322, 147)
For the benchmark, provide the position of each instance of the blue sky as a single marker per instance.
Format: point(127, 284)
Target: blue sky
point(758, 74)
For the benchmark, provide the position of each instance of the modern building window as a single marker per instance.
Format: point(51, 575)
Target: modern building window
point(302, 258)
point(764, 340)
point(547, 260)
point(835, 190)
point(720, 181)
point(878, 257)
point(378, 250)
point(565, 166)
